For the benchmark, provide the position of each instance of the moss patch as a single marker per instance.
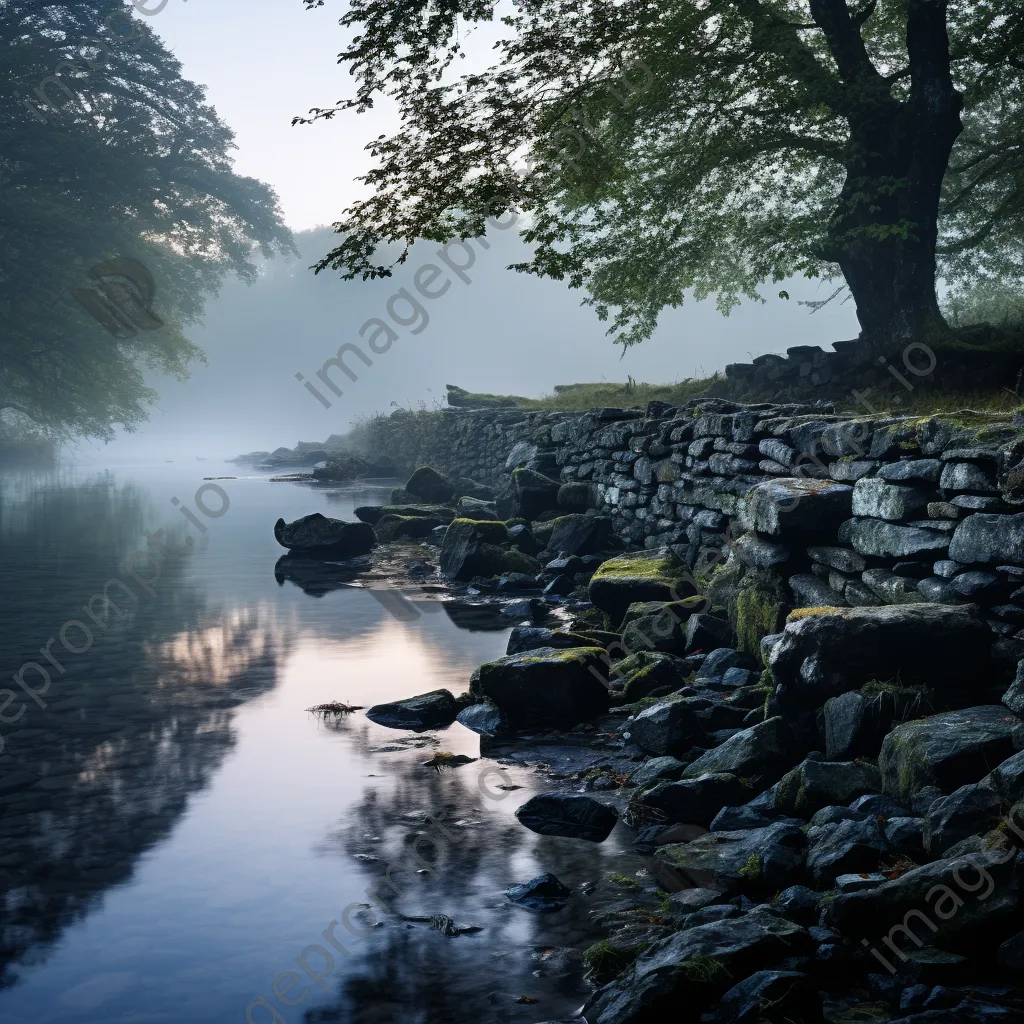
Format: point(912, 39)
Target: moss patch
point(760, 612)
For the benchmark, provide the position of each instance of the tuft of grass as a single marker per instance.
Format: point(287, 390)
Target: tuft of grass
point(624, 880)
point(751, 871)
point(703, 969)
point(334, 709)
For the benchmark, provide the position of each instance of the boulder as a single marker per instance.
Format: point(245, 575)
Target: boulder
point(688, 801)
point(856, 723)
point(372, 514)
point(758, 859)
point(705, 632)
point(989, 540)
point(392, 527)
point(429, 485)
point(486, 719)
point(657, 769)
point(844, 848)
point(545, 894)
point(670, 726)
point(433, 710)
point(971, 810)
point(649, 671)
point(694, 967)
point(830, 651)
point(577, 496)
point(476, 508)
point(568, 814)
point(1007, 779)
point(316, 536)
point(764, 750)
point(474, 548)
point(816, 784)
point(655, 575)
point(946, 751)
point(532, 638)
point(664, 632)
point(580, 535)
point(546, 687)
point(797, 507)
point(770, 997)
point(526, 494)
point(938, 903)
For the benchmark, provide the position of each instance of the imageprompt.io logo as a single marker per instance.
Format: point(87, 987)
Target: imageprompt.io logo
point(122, 299)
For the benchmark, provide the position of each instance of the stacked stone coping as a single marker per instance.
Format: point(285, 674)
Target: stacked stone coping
point(848, 510)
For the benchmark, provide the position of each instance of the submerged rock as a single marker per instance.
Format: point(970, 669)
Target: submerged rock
point(432, 710)
point(545, 894)
point(316, 536)
point(546, 686)
point(567, 814)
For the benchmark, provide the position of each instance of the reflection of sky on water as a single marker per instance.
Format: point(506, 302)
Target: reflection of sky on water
point(184, 829)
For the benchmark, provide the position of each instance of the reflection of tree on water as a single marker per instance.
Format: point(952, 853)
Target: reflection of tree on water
point(133, 727)
point(406, 971)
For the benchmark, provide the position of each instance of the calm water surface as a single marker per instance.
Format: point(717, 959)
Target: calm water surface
point(175, 828)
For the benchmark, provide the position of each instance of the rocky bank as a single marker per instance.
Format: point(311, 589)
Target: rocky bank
point(784, 648)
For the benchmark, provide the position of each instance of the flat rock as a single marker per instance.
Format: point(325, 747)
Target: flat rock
point(794, 506)
point(432, 710)
point(570, 815)
point(888, 540)
point(880, 499)
point(656, 575)
point(316, 536)
point(763, 750)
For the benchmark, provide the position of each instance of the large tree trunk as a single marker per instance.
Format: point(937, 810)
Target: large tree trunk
point(885, 228)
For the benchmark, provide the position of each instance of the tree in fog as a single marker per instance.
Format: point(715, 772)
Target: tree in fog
point(108, 155)
point(713, 145)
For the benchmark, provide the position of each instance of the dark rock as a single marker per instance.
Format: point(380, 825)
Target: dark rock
point(792, 506)
point(477, 509)
point(545, 894)
point(811, 592)
point(856, 724)
point(545, 686)
point(763, 750)
point(947, 750)
point(671, 726)
point(905, 837)
point(971, 810)
point(844, 848)
point(433, 710)
point(834, 814)
point(770, 997)
point(663, 632)
point(674, 972)
point(887, 540)
point(925, 470)
point(689, 801)
point(429, 485)
point(878, 805)
point(372, 514)
point(529, 608)
point(657, 769)
point(977, 585)
point(706, 633)
point(523, 538)
point(580, 535)
point(487, 720)
point(841, 559)
point(824, 655)
point(391, 527)
point(472, 549)
point(316, 536)
point(568, 814)
point(762, 553)
point(532, 638)
point(816, 784)
point(875, 497)
point(526, 494)
point(760, 859)
point(968, 476)
point(649, 671)
point(1007, 779)
point(719, 661)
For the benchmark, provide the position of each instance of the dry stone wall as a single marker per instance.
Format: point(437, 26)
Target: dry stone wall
point(841, 510)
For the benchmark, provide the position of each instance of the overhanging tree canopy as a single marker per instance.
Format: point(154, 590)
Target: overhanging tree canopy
point(709, 145)
point(127, 161)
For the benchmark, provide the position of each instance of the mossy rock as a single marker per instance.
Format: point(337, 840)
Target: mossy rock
point(639, 576)
point(428, 484)
point(760, 611)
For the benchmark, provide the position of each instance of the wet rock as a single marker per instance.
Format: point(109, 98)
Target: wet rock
point(316, 536)
point(670, 726)
point(694, 968)
point(855, 723)
point(372, 514)
point(581, 535)
point(430, 485)
point(706, 633)
point(824, 655)
point(983, 539)
point(487, 720)
point(770, 997)
point(655, 575)
point(1014, 696)
point(760, 859)
point(522, 537)
point(391, 527)
point(569, 815)
point(545, 686)
point(799, 904)
point(688, 801)
point(544, 894)
point(1007, 779)
point(905, 836)
point(816, 784)
point(530, 609)
point(763, 750)
point(477, 509)
point(968, 476)
point(472, 549)
point(663, 632)
point(793, 506)
point(971, 810)
point(843, 848)
point(834, 814)
point(946, 751)
point(433, 710)
point(925, 470)
point(719, 661)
